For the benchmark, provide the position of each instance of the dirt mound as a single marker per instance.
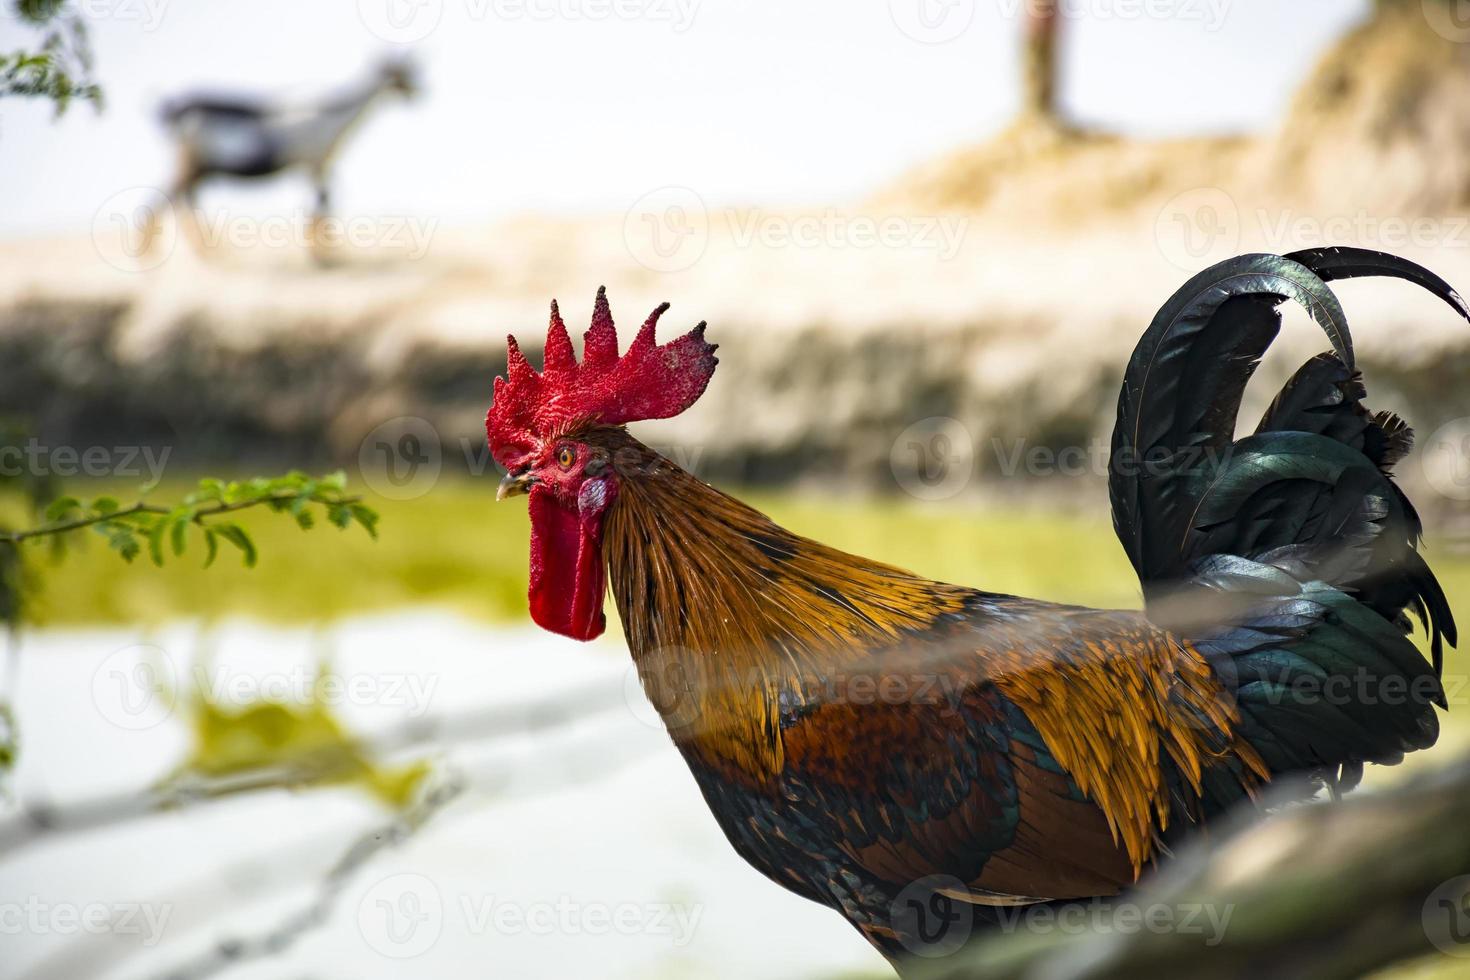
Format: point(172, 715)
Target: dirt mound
point(1379, 126)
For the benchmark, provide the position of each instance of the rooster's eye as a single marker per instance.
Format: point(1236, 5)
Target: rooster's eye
point(566, 457)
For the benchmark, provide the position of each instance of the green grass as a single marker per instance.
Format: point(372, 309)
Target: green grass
point(457, 547)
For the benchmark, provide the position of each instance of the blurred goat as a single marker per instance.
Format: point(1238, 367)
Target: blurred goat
point(250, 137)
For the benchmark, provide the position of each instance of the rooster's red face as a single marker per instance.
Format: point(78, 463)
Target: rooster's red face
point(571, 488)
point(543, 428)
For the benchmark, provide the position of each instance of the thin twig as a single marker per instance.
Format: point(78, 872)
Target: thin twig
point(213, 510)
point(233, 951)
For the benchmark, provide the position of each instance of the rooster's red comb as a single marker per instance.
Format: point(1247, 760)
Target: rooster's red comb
point(650, 381)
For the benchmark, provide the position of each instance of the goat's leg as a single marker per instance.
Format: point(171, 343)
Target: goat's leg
point(152, 224)
point(318, 237)
point(186, 211)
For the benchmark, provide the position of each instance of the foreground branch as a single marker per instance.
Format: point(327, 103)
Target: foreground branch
point(44, 820)
point(1320, 890)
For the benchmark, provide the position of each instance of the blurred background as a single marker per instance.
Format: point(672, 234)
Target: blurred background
point(242, 238)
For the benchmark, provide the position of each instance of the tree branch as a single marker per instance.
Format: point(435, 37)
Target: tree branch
point(1328, 889)
point(38, 820)
point(213, 510)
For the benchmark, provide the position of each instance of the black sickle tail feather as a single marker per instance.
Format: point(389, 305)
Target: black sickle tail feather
point(1289, 557)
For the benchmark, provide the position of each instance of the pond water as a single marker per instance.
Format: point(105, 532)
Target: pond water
point(580, 847)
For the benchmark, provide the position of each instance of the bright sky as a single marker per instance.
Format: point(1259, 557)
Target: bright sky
point(578, 105)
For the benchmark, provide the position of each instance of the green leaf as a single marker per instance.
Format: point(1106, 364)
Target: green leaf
point(120, 538)
point(235, 535)
point(62, 507)
point(178, 530)
point(155, 541)
point(340, 515)
point(105, 505)
point(367, 517)
point(211, 544)
point(305, 520)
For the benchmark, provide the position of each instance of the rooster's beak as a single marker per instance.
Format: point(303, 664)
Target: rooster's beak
point(514, 485)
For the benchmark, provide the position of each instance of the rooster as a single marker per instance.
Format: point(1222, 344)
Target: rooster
point(890, 746)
